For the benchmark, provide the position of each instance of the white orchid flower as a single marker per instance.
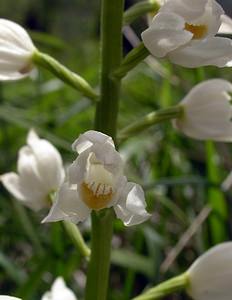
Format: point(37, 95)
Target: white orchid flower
point(40, 172)
point(16, 51)
point(207, 112)
point(184, 32)
point(210, 275)
point(59, 291)
point(96, 181)
point(5, 297)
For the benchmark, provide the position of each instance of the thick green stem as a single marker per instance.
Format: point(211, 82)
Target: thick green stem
point(63, 73)
point(168, 287)
point(151, 119)
point(132, 59)
point(77, 238)
point(139, 9)
point(105, 121)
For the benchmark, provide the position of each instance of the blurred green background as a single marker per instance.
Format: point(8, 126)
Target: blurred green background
point(182, 177)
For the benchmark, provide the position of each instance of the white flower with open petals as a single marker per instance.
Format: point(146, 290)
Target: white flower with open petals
point(40, 172)
point(16, 51)
point(59, 291)
point(96, 181)
point(210, 275)
point(207, 112)
point(184, 31)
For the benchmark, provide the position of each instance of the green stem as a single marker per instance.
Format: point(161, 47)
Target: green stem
point(105, 121)
point(77, 238)
point(151, 119)
point(63, 73)
point(132, 59)
point(139, 9)
point(168, 287)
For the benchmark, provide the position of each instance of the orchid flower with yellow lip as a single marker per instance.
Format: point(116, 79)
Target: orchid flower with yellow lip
point(96, 181)
point(184, 32)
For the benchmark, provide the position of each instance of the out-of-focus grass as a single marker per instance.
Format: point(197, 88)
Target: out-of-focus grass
point(179, 175)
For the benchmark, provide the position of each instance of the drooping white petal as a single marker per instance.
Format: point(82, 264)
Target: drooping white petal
point(166, 33)
point(76, 171)
point(131, 206)
point(59, 291)
point(210, 275)
point(28, 197)
point(216, 51)
point(12, 184)
point(207, 111)
point(49, 161)
point(68, 206)
point(89, 138)
point(16, 50)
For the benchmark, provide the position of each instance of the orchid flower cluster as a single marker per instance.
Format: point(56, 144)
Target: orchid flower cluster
point(186, 33)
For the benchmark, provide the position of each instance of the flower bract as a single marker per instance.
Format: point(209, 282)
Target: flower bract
point(207, 112)
point(184, 32)
point(16, 51)
point(40, 172)
point(210, 275)
point(96, 181)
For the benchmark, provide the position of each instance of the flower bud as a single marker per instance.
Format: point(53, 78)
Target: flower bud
point(16, 51)
point(210, 275)
point(207, 112)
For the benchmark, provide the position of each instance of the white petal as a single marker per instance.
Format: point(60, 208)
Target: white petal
point(16, 50)
point(131, 206)
point(48, 159)
point(210, 275)
point(59, 291)
point(216, 51)
point(76, 171)
point(165, 34)
point(188, 9)
point(68, 206)
point(207, 111)
point(12, 184)
point(226, 26)
point(90, 138)
point(29, 198)
point(4, 297)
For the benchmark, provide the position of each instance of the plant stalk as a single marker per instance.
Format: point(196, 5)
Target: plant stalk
point(106, 122)
point(151, 119)
point(168, 287)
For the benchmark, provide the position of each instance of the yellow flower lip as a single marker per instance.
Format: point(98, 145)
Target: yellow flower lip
point(198, 31)
point(96, 195)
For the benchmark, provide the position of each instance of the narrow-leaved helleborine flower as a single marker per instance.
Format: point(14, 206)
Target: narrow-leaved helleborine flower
point(210, 275)
point(40, 172)
point(184, 32)
point(16, 51)
point(207, 112)
point(59, 291)
point(96, 181)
